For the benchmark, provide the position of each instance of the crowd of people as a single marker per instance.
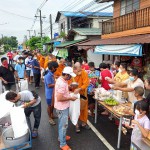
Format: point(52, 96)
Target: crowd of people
point(61, 77)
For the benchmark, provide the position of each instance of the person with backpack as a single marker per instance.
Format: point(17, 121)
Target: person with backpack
point(31, 102)
point(49, 82)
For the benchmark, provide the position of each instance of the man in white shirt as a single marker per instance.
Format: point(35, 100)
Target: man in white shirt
point(28, 62)
point(32, 103)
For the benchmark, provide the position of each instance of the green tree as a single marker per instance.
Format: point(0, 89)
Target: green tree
point(36, 42)
point(9, 42)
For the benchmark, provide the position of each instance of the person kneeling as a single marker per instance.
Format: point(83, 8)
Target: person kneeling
point(31, 102)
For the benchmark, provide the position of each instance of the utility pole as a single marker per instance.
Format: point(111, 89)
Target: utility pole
point(41, 17)
point(29, 33)
point(51, 26)
point(34, 33)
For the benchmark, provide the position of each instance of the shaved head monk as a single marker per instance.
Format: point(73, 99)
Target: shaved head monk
point(83, 82)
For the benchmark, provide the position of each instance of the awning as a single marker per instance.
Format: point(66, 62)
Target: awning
point(134, 39)
point(69, 43)
point(122, 50)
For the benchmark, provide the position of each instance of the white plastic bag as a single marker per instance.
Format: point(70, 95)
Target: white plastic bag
point(74, 109)
point(23, 85)
point(18, 120)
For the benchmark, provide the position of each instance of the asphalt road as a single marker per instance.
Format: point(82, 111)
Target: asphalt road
point(48, 135)
point(86, 140)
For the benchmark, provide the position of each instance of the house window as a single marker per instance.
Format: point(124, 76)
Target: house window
point(62, 27)
point(128, 6)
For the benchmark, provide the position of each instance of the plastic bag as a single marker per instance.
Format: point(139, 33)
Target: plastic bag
point(18, 120)
point(74, 109)
point(23, 85)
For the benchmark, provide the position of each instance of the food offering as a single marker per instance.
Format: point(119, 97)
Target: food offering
point(123, 110)
point(101, 94)
point(111, 101)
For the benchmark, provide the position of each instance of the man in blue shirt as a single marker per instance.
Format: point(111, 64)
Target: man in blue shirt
point(49, 82)
point(36, 71)
point(20, 68)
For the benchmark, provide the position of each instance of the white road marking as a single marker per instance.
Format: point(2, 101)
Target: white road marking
point(100, 136)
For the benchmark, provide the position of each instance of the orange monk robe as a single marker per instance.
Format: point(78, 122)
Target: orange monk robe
point(42, 61)
point(39, 57)
point(83, 82)
point(46, 63)
point(59, 70)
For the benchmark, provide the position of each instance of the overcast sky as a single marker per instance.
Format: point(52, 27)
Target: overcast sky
point(16, 16)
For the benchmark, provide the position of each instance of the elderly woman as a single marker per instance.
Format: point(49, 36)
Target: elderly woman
point(129, 85)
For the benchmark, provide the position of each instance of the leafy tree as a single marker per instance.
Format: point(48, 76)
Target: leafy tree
point(36, 42)
point(9, 42)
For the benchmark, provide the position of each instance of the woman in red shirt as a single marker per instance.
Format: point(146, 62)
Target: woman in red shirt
point(85, 65)
point(105, 73)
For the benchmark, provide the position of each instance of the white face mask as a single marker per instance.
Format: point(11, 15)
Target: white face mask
point(119, 70)
point(137, 112)
point(35, 57)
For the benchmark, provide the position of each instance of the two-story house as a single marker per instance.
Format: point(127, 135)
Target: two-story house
point(127, 34)
point(68, 20)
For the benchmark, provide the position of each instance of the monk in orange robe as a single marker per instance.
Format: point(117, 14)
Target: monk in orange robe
point(38, 56)
point(83, 82)
point(60, 68)
point(47, 60)
point(42, 61)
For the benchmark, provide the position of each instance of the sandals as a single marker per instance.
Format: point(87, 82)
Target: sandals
point(77, 129)
point(34, 134)
point(86, 127)
point(52, 122)
point(66, 147)
point(67, 138)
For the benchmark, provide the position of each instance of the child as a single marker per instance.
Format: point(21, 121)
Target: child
point(138, 93)
point(141, 126)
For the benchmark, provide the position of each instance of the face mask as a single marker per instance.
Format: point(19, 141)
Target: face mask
point(5, 64)
point(22, 61)
point(30, 57)
point(119, 70)
point(131, 78)
point(137, 112)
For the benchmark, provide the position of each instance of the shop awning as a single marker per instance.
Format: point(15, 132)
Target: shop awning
point(122, 50)
point(69, 43)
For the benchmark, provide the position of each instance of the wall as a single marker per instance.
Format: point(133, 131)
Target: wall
point(117, 4)
point(144, 30)
point(96, 21)
point(144, 4)
point(79, 37)
point(96, 58)
point(61, 20)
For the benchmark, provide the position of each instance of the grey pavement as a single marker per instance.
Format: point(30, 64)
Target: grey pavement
point(48, 135)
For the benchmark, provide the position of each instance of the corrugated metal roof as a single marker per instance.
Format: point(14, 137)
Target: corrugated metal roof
point(87, 31)
point(83, 14)
point(134, 39)
point(103, 1)
point(69, 43)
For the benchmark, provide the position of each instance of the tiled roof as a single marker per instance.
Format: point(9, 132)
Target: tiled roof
point(134, 39)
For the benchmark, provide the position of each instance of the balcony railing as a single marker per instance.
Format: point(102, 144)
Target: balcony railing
point(136, 19)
